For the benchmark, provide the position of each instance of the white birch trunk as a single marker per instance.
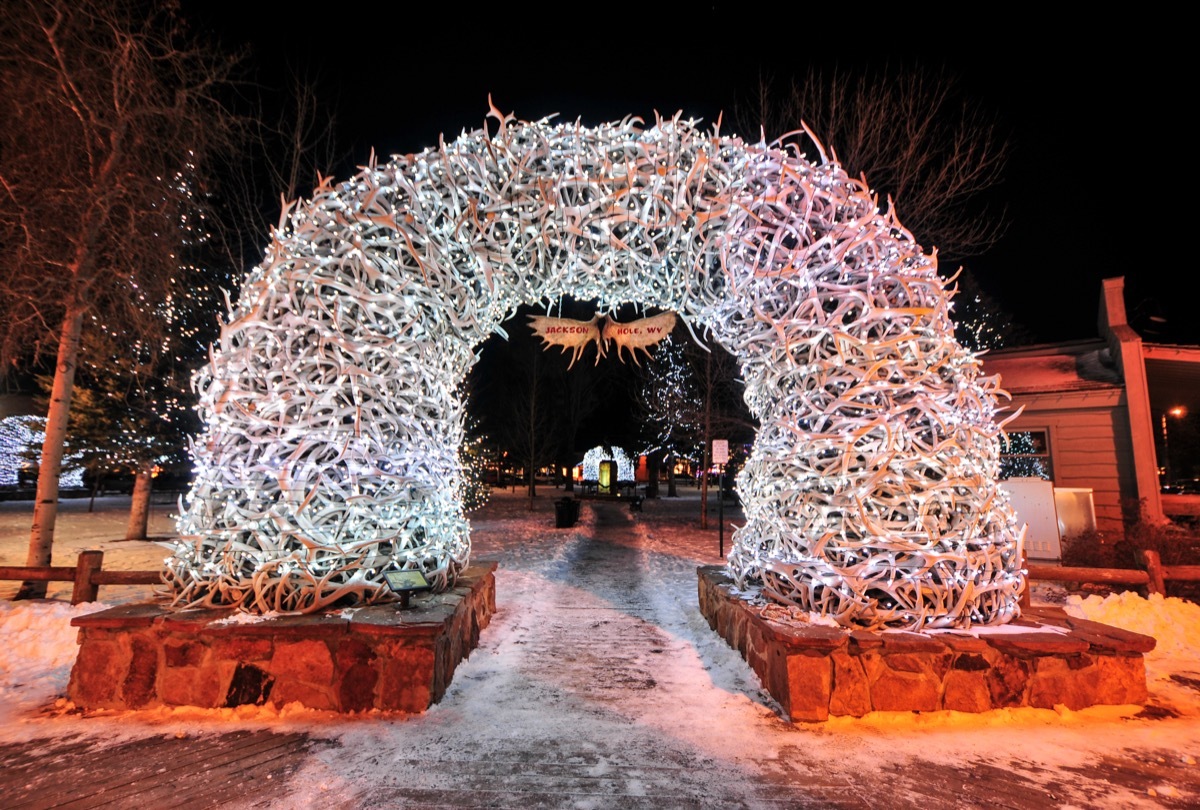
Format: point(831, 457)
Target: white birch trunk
point(45, 509)
point(139, 509)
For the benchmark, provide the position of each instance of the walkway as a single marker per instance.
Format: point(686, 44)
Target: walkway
point(598, 685)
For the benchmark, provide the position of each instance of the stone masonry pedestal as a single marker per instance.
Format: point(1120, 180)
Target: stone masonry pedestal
point(1043, 659)
point(380, 657)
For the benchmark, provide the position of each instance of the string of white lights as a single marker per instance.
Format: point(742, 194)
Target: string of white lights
point(18, 436)
point(333, 422)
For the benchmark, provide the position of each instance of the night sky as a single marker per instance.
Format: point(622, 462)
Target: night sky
point(1094, 187)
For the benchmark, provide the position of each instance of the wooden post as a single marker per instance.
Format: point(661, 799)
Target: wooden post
point(1026, 600)
point(1154, 570)
point(85, 590)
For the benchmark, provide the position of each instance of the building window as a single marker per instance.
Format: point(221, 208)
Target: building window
point(1026, 454)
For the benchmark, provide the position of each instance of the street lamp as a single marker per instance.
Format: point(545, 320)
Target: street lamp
point(1178, 412)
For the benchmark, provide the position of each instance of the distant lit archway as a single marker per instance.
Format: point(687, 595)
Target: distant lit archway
point(333, 420)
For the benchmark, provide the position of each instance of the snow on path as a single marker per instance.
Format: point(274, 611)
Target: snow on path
point(598, 683)
point(587, 691)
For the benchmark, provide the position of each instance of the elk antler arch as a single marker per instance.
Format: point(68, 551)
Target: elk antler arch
point(333, 420)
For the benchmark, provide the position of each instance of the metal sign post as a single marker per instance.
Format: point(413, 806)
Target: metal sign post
point(721, 512)
point(720, 455)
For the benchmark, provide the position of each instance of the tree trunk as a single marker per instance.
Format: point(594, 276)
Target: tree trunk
point(652, 473)
point(45, 509)
point(672, 492)
point(533, 433)
point(139, 509)
point(533, 443)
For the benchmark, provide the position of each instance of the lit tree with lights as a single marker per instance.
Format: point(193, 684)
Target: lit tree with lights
point(672, 407)
point(21, 439)
point(473, 487)
point(1023, 458)
point(691, 394)
point(105, 105)
point(979, 321)
point(140, 411)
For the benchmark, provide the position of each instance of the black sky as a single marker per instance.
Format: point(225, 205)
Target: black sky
point(1093, 189)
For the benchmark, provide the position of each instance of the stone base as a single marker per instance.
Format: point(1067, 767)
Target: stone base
point(815, 671)
point(380, 657)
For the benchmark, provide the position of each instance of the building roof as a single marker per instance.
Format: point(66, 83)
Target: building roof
point(1083, 365)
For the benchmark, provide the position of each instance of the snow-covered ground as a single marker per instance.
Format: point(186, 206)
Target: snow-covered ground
point(598, 668)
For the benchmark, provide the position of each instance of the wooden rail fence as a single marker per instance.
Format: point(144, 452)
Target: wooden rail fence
point(87, 574)
point(1153, 576)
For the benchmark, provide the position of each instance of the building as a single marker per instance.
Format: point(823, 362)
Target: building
point(1094, 412)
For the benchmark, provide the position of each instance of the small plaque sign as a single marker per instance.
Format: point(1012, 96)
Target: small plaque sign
point(720, 451)
point(406, 581)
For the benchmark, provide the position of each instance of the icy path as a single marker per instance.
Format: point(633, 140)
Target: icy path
point(588, 690)
point(597, 684)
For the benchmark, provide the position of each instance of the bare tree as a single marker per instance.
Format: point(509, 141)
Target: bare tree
point(723, 411)
point(919, 140)
point(306, 136)
point(514, 399)
point(925, 147)
point(290, 149)
point(112, 112)
point(574, 395)
point(530, 431)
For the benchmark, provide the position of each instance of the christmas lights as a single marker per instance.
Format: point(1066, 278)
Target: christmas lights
point(593, 457)
point(20, 442)
point(330, 454)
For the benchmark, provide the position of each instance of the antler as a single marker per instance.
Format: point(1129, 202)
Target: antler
point(570, 334)
point(640, 334)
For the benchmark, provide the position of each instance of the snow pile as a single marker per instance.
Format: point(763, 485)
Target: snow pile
point(39, 651)
point(1173, 667)
point(248, 618)
point(37, 638)
point(1173, 622)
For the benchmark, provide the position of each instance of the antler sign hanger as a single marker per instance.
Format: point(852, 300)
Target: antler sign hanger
point(574, 335)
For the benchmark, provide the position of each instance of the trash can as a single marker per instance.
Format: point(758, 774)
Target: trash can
point(566, 512)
